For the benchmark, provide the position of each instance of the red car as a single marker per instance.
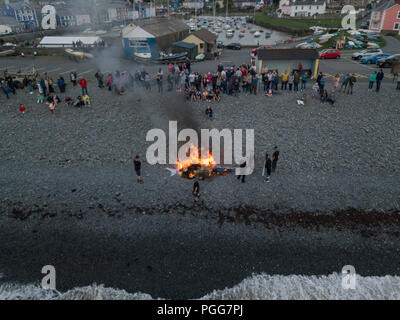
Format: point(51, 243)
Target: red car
point(262, 47)
point(329, 54)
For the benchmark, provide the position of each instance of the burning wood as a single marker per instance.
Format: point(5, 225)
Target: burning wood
point(196, 165)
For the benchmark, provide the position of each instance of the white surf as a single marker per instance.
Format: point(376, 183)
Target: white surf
point(258, 287)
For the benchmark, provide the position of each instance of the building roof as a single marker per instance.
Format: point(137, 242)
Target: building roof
point(8, 21)
point(186, 45)
point(385, 5)
point(68, 40)
point(162, 26)
point(205, 35)
point(132, 31)
point(306, 2)
point(288, 54)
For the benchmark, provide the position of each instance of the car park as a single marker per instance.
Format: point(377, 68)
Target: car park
point(329, 54)
point(366, 53)
point(373, 59)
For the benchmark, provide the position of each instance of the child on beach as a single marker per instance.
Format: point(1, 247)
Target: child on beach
point(86, 99)
point(52, 107)
point(40, 98)
point(302, 101)
point(269, 93)
point(69, 102)
point(22, 109)
point(315, 88)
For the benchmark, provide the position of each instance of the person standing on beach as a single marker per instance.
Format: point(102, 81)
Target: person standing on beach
point(275, 158)
point(268, 167)
point(138, 165)
point(345, 82)
point(352, 81)
point(243, 165)
point(22, 109)
point(196, 191)
point(336, 82)
point(73, 78)
point(372, 79)
point(83, 84)
point(379, 77)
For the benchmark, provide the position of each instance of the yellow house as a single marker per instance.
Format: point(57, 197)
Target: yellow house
point(205, 40)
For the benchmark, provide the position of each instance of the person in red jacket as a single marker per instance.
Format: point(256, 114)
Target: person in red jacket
point(83, 84)
point(22, 109)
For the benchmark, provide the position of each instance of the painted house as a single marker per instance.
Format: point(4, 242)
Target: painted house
point(152, 36)
point(386, 16)
point(193, 4)
point(288, 60)
point(23, 12)
point(205, 40)
point(118, 11)
point(302, 8)
point(244, 3)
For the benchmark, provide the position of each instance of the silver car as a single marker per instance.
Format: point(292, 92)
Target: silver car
point(366, 53)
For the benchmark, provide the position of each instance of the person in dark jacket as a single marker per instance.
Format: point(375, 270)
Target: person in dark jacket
point(138, 165)
point(268, 168)
point(243, 165)
point(379, 77)
point(210, 113)
point(275, 158)
point(196, 191)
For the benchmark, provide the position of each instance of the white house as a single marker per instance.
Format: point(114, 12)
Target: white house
point(302, 8)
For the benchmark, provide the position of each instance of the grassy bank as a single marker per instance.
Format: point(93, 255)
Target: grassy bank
point(298, 24)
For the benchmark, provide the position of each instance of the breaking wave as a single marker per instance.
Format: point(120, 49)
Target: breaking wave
point(257, 287)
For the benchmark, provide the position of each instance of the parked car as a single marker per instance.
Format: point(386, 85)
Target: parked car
point(220, 45)
point(261, 47)
point(387, 62)
point(234, 46)
point(366, 53)
point(374, 58)
point(329, 54)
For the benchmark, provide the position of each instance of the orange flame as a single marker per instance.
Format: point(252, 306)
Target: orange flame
point(195, 157)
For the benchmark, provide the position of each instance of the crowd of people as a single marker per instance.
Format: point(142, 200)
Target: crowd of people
point(195, 86)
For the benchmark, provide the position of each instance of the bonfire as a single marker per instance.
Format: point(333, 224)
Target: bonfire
point(199, 164)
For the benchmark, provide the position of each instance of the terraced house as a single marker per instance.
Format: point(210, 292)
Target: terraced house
point(23, 12)
point(302, 8)
point(386, 16)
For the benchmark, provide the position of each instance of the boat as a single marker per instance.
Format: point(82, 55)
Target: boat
point(261, 30)
point(243, 31)
point(78, 54)
point(7, 52)
point(257, 34)
point(229, 34)
point(267, 34)
point(200, 57)
point(241, 35)
point(172, 57)
point(252, 30)
point(142, 55)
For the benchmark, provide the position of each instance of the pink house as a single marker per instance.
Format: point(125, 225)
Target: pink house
point(386, 16)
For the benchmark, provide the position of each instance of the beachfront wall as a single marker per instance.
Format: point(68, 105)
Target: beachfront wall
point(288, 60)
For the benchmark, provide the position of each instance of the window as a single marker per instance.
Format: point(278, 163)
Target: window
point(396, 26)
point(398, 15)
point(376, 15)
point(138, 43)
point(201, 45)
